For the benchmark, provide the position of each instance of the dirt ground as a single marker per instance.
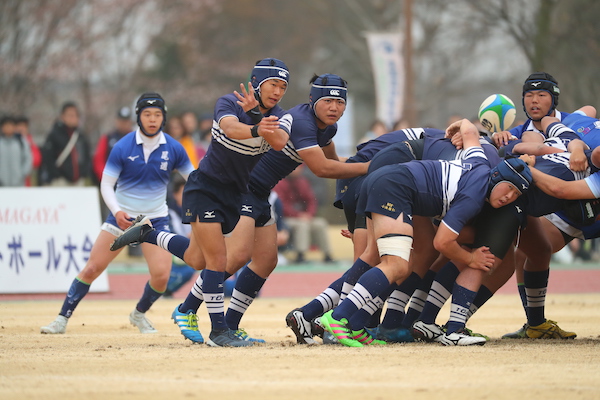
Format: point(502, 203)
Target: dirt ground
point(102, 357)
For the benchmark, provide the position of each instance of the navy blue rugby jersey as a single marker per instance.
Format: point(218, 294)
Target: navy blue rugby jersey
point(229, 161)
point(365, 151)
point(538, 203)
point(443, 149)
point(300, 123)
point(453, 191)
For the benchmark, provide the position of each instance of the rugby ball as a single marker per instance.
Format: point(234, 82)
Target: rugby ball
point(497, 113)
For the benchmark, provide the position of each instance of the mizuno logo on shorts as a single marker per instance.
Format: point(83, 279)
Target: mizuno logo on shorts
point(209, 214)
point(246, 208)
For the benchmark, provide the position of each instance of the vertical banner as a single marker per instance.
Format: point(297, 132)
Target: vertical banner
point(46, 235)
point(388, 73)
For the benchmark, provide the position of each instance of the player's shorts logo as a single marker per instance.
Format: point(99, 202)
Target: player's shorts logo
point(246, 208)
point(209, 214)
point(388, 207)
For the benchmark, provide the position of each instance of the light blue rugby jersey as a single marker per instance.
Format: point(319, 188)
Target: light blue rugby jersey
point(141, 186)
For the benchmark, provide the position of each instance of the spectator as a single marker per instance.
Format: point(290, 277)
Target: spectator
point(205, 127)
point(377, 129)
point(197, 133)
point(123, 125)
point(15, 154)
point(176, 128)
point(299, 212)
point(22, 127)
point(66, 157)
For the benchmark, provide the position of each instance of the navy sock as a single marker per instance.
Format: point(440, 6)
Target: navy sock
point(195, 297)
point(368, 287)
point(440, 291)
point(462, 298)
point(325, 301)
point(483, 295)
point(396, 302)
point(173, 243)
point(536, 285)
point(247, 286)
point(522, 294)
point(353, 275)
point(76, 293)
point(148, 298)
point(212, 289)
point(418, 299)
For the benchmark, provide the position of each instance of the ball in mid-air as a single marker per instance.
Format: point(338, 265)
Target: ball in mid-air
point(497, 113)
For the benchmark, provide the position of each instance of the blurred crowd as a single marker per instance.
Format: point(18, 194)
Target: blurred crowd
point(67, 158)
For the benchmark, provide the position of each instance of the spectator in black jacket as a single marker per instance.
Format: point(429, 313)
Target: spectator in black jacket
point(66, 159)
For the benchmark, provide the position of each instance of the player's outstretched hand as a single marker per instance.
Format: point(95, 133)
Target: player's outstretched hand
point(246, 98)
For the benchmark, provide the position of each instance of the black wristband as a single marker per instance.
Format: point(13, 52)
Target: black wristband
point(254, 131)
point(255, 115)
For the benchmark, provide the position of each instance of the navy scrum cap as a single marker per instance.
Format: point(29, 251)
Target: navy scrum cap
point(150, 99)
point(542, 81)
point(269, 68)
point(513, 171)
point(327, 86)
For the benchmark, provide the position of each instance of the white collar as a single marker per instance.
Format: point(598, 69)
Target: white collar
point(141, 138)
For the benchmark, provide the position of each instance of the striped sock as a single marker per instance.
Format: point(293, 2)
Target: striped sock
point(440, 291)
point(247, 286)
point(369, 286)
point(462, 298)
point(418, 299)
point(536, 286)
point(212, 289)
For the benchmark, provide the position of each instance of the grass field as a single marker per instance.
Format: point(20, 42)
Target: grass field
point(102, 357)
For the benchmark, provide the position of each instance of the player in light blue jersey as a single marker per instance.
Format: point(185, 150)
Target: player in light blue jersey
point(139, 166)
point(584, 123)
point(540, 98)
point(453, 191)
point(246, 126)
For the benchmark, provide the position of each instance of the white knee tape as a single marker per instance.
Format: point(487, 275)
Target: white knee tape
point(399, 245)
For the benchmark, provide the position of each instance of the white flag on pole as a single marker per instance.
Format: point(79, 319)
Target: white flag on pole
point(388, 73)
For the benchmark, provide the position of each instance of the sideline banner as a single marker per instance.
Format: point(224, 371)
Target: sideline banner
point(388, 73)
point(46, 235)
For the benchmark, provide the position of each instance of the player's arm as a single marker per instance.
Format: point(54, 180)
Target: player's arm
point(268, 128)
point(445, 241)
point(536, 149)
point(556, 187)
point(323, 167)
point(578, 160)
point(107, 189)
point(463, 134)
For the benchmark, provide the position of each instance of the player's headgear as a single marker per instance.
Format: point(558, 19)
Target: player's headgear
point(265, 69)
point(513, 171)
point(542, 81)
point(150, 99)
point(327, 86)
point(268, 68)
